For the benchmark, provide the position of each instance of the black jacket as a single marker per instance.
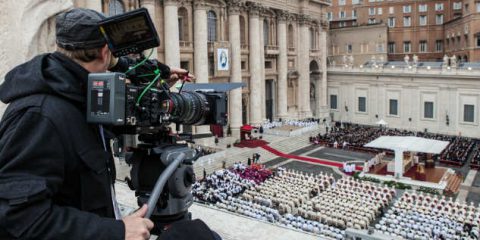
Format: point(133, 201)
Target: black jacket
point(55, 175)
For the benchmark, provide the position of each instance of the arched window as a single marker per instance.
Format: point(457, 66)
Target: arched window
point(183, 24)
point(115, 7)
point(243, 40)
point(291, 43)
point(266, 32)
point(212, 26)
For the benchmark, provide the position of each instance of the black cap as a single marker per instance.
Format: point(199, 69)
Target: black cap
point(78, 29)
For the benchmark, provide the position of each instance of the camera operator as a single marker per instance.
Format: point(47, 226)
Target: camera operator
point(56, 172)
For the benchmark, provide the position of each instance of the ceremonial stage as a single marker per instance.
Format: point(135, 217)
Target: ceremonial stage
point(406, 167)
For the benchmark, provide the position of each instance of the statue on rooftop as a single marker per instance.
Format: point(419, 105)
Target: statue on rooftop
point(445, 61)
point(415, 59)
point(406, 59)
point(453, 61)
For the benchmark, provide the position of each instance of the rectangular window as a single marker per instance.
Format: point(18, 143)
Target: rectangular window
point(457, 5)
point(354, 13)
point(477, 6)
point(349, 48)
point(379, 11)
point(393, 110)
point(478, 40)
point(330, 16)
point(355, 1)
point(468, 113)
point(341, 2)
point(185, 65)
point(422, 7)
point(439, 19)
point(268, 64)
point(362, 104)
point(371, 21)
point(407, 9)
point(439, 45)
point(391, 10)
point(407, 21)
point(391, 47)
point(423, 20)
point(391, 22)
point(371, 11)
point(333, 101)
point(423, 46)
point(407, 47)
point(438, 6)
point(343, 15)
point(428, 110)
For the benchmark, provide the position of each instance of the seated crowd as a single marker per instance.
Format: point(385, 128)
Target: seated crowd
point(418, 216)
point(476, 158)
point(298, 123)
point(356, 136)
point(222, 184)
point(348, 204)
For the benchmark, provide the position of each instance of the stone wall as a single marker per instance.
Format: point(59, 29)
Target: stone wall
point(28, 29)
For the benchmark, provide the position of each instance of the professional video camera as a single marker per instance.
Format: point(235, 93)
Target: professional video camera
point(139, 102)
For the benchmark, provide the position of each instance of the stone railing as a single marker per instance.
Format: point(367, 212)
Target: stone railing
point(271, 50)
point(406, 70)
point(186, 44)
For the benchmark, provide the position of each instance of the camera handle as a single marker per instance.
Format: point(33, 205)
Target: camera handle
point(162, 179)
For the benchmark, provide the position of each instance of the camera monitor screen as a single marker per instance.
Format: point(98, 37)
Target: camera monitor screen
point(130, 32)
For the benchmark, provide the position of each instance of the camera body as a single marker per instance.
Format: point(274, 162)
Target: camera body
point(112, 101)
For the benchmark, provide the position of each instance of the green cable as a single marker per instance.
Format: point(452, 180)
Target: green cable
point(140, 63)
point(147, 88)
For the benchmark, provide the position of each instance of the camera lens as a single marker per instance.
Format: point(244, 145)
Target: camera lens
point(189, 108)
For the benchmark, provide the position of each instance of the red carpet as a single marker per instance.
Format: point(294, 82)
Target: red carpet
point(306, 159)
point(251, 143)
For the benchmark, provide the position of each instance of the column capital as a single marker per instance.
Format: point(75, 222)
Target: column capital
point(254, 8)
point(170, 2)
point(234, 7)
point(303, 19)
point(200, 5)
point(282, 15)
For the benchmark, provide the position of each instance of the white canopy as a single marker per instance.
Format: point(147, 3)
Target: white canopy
point(382, 122)
point(409, 144)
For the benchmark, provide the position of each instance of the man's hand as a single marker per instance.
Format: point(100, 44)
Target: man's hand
point(137, 227)
point(179, 74)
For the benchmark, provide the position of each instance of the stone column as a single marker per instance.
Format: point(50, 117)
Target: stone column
point(200, 60)
point(303, 68)
point(150, 6)
point(171, 37)
point(200, 30)
point(235, 99)
point(255, 70)
point(323, 95)
point(261, 55)
point(282, 68)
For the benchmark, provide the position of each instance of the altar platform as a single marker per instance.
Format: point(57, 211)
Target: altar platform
point(433, 175)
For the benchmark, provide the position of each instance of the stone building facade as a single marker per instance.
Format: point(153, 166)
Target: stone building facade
point(347, 48)
point(428, 29)
point(276, 48)
point(435, 100)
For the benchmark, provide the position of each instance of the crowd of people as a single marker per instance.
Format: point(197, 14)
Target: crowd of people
point(355, 137)
point(424, 217)
point(476, 158)
point(297, 123)
point(324, 206)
